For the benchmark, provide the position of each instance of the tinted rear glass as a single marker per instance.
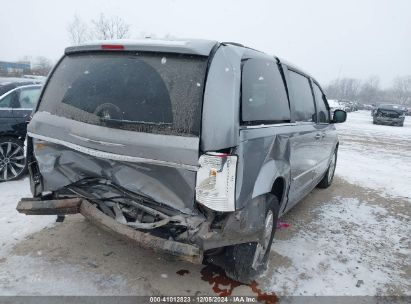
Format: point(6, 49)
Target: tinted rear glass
point(145, 92)
point(264, 97)
point(303, 97)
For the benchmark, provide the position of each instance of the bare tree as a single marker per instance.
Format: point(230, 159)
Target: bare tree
point(78, 31)
point(344, 88)
point(42, 66)
point(110, 28)
point(401, 90)
point(370, 91)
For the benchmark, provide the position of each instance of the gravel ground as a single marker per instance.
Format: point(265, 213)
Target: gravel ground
point(349, 239)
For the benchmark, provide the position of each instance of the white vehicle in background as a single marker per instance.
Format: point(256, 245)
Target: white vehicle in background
point(335, 105)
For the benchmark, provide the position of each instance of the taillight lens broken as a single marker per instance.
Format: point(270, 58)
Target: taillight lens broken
point(215, 186)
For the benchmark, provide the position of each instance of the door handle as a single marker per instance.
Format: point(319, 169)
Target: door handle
point(318, 136)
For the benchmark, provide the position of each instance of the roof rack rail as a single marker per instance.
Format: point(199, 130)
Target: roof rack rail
point(241, 45)
point(232, 43)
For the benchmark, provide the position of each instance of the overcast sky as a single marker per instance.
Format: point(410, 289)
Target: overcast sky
point(329, 39)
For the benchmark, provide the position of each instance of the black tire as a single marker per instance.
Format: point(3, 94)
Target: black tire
point(13, 164)
point(327, 180)
point(239, 259)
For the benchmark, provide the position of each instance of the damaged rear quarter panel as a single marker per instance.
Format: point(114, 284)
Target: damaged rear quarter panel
point(264, 155)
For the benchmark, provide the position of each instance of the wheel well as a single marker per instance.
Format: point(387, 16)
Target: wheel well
point(278, 188)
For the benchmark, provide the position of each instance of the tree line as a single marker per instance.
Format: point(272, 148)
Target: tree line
point(370, 90)
point(102, 28)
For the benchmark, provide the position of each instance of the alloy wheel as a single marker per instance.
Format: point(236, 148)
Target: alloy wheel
point(262, 249)
point(12, 160)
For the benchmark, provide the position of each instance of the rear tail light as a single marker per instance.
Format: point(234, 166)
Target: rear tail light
point(215, 187)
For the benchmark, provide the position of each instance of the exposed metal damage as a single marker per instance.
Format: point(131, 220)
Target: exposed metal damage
point(91, 212)
point(137, 200)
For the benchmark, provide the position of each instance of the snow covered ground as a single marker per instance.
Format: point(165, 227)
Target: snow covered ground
point(350, 243)
point(349, 239)
point(14, 226)
point(376, 156)
point(39, 276)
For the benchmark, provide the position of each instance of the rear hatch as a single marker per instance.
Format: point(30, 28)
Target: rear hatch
point(131, 118)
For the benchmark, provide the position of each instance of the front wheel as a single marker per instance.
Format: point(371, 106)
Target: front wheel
point(329, 175)
point(244, 262)
point(13, 163)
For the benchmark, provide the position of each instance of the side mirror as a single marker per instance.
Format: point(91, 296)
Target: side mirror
point(339, 116)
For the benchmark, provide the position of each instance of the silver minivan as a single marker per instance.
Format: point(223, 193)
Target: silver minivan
point(191, 147)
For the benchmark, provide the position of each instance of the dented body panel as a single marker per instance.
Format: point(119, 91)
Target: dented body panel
point(61, 166)
point(143, 183)
point(72, 206)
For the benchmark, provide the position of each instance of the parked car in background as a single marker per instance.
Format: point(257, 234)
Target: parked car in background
point(196, 147)
point(348, 106)
point(8, 86)
point(389, 114)
point(368, 107)
point(16, 106)
point(356, 105)
point(334, 104)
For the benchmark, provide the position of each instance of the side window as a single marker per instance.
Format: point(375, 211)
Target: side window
point(303, 97)
point(28, 97)
point(264, 97)
point(322, 108)
point(8, 100)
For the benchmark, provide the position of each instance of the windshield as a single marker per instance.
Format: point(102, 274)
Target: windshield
point(145, 92)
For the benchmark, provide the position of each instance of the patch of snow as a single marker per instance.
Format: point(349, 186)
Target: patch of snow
point(375, 156)
point(15, 226)
point(351, 241)
point(32, 275)
point(26, 275)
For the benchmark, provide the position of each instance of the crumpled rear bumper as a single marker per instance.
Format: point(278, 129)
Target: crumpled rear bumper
point(183, 251)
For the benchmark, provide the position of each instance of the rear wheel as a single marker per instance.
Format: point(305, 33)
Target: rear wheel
point(329, 175)
point(13, 163)
point(244, 262)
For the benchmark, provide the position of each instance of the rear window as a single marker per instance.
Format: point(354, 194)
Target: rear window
point(144, 92)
